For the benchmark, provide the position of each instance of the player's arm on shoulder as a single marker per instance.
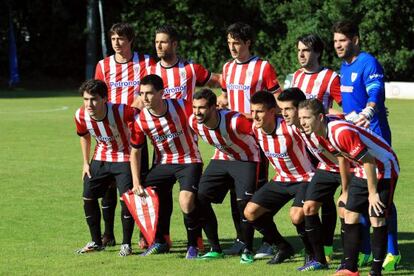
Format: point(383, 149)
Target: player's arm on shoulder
point(214, 81)
point(244, 125)
point(222, 100)
point(99, 75)
point(138, 103)
point(85, 142)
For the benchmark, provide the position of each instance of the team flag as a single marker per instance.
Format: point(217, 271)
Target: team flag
point(144, 210)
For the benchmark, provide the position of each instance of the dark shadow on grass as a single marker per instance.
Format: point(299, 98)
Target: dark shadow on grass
point(20, 93)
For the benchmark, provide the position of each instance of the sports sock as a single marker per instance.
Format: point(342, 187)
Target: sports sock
point(109, 202)
point(246, 228)
point(314, 232)
point(392, 231)
point(192, 223)
point(208, 222)
point(127, 224)
point(93, 219)
point(164, 214)
point(365, 234)
point(351, 245)
point(300, 229)
point(235, 214)
point(342, 239)
point(267, 227)
point(329, 217)
point(379, 247)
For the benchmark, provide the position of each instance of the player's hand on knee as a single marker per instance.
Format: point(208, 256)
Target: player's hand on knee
point(85, 171)
point(375, 204)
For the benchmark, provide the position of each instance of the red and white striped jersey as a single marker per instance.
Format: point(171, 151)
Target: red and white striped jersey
point(181, 79)
point(327, 160)
point(112, 134)
point(123, 79)
point(286, 152)
point(355, 142)
point(241, 80)
point(232, 138)
point(173, 140)
point(323, 85)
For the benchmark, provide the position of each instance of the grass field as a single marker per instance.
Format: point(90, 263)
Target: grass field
point(41, 214)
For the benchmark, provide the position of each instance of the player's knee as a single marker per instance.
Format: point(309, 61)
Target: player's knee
point(378, 222)
point(296, 215)
point(351, 217)
point(187, 201)
point(310, 208)
point(250, 212)
point(241, 205)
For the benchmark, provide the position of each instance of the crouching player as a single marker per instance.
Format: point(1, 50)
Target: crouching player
point(108, 124)
point(371, 188)
point(177, 158)
point(280, 140)
point(233, 166)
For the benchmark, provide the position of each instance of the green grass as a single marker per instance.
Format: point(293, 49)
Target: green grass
point(41, 213)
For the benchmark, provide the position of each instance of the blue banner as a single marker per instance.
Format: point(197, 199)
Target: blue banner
point(14, 70)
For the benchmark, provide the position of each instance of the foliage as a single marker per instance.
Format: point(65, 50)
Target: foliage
point(56, 31)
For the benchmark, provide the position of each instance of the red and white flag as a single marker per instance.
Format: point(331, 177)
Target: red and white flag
point(144, 210)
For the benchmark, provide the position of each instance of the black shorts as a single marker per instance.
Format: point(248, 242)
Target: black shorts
point(163, 176)
point(274, 195)
point(358, 195)
point(102, 174)
point(222, 175)
point(323, 186)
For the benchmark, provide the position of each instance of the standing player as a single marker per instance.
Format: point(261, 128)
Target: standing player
point(121, 72)
point(234, 164)
point(180, 76)
point(108, 124)
point(281, 142)
point(370, 190)
point(241, 78)
point(165, 122)
point(363, 92)
point(323, 84)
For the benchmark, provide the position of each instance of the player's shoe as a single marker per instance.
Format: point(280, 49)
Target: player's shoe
point(108, 240)
point(282, 255)
point(307, 258)
point(90, 247)
point(125, 250)
point(364, 259)
point(156, 248)
point(192, 253)
point(266, 250)
point(346, 272)
point(236, 248)
point(313, 265)
point(142, 243)
point(212, 255)
point(341, 266)
point(328, 253)
point(391, 262)
point(246, 257)
point(372, 273)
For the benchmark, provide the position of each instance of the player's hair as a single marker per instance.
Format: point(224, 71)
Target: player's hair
point(169, 30)
point(94, 87)
point(314, 105)
point(265, 98)
point(242, 31)
point(206, 94)
point(294, 95)
point(314, 42)
point(154, 80)
point(346, 27)
point(122, 29)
